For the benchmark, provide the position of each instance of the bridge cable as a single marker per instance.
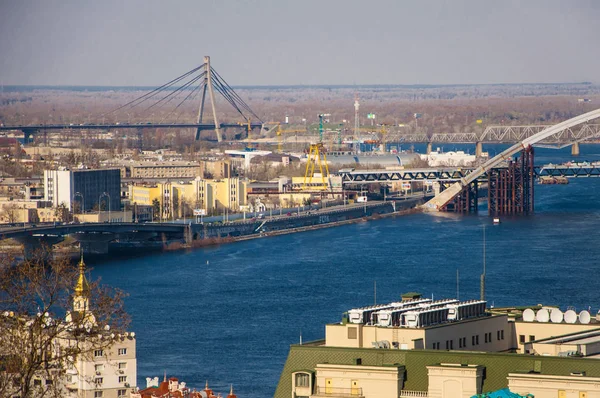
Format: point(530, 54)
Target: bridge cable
point(230, 90)
point(174, 92)
point(235, 94)
point(155, 91)
point(195, 93)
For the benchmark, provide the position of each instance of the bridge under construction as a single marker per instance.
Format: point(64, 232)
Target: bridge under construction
point(511, 189)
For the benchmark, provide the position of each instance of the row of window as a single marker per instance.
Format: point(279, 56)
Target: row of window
point(522, 338)
point(100, 353)
point(100, 394)
point(99, 380)
point(120, 365)
point(462, 341)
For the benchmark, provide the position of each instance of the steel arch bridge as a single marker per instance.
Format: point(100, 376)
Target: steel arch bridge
point(449, 194)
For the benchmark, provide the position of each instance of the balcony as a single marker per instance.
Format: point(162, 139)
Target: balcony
point(334, 392)
point(413, 394)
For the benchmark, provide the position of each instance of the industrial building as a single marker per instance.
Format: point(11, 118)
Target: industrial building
point(418, 347)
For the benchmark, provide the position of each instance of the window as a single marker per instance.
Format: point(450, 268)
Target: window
point(460, 343)
point(531, 338)
point(98, 368)
point(122, 365)
point(447, 344)
point(521, 339)
point(98, 381)
point(37, 382)
point(98, 394)
point(477, 340)
point(122, 379)
point(352, 333)
point(464, 341)
point(488, 337)
point(451, 344)
point(502, 335)
point(121, 393)
point(122, 351)
point(498, 335)
point(302, 380)
point(98, 353)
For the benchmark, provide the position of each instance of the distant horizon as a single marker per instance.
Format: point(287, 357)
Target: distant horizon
point(11, 87)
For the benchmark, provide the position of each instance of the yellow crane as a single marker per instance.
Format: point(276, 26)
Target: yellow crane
point(280, 133)
point(317, 156)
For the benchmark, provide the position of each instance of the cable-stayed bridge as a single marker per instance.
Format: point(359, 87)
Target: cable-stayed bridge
point(203, 82)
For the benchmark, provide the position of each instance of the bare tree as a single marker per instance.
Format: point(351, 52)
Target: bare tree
point(10, 213)
point(51, 317)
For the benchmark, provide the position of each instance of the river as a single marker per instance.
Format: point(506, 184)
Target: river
point(228, 314)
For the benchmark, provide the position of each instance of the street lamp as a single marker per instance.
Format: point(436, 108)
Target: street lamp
point(82, 209)
point(100, 200)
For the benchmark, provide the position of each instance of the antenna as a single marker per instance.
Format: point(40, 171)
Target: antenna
point(300, 336)
point(356, 120)
point(482, 281)
point(457, 286)
point(374, 292)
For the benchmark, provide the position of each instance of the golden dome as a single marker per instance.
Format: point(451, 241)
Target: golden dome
point(82, 288)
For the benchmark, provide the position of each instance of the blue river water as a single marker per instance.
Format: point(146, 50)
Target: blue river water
point(228, 314)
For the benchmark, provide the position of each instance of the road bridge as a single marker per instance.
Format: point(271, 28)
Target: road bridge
point(32, 130)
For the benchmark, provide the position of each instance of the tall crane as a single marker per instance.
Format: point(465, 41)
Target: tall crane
point(317, 156)
point(281, 132)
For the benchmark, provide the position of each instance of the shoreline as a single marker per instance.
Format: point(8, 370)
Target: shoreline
point(174, 246)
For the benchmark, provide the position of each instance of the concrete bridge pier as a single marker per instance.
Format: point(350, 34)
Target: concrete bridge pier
point(575, 149)
point(478, 149)
point(429, 147)
point(38, 247)
point(94, 243)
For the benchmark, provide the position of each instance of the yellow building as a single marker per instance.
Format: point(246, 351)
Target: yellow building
point(105, 216)
point(179, 199)
point(145, 195)
point(227, 193)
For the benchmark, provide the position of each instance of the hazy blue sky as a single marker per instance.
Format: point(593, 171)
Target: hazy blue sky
point(275, 42)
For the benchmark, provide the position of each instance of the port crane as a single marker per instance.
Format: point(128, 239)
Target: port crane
point(317, 157)
point(280, 133)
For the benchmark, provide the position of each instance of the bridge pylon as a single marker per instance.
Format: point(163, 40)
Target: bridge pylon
point(511, 189)
point(208, 85)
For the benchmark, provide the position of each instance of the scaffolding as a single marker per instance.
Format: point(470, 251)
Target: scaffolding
point(510, 189)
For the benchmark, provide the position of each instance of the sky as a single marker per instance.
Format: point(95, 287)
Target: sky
point(293, 42)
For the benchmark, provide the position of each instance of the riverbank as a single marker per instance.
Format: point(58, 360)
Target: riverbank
point(332, 217)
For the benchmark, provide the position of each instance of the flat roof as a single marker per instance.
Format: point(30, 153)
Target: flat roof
point(586, 337)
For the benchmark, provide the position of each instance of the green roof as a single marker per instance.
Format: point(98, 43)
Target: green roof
point(498, 365)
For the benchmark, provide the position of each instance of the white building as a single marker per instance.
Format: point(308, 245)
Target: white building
point(105, 372)
point(452, 158)
point(80, 358)
point(244, 157)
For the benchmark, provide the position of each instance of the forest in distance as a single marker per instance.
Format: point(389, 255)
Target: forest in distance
point(441, 108)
